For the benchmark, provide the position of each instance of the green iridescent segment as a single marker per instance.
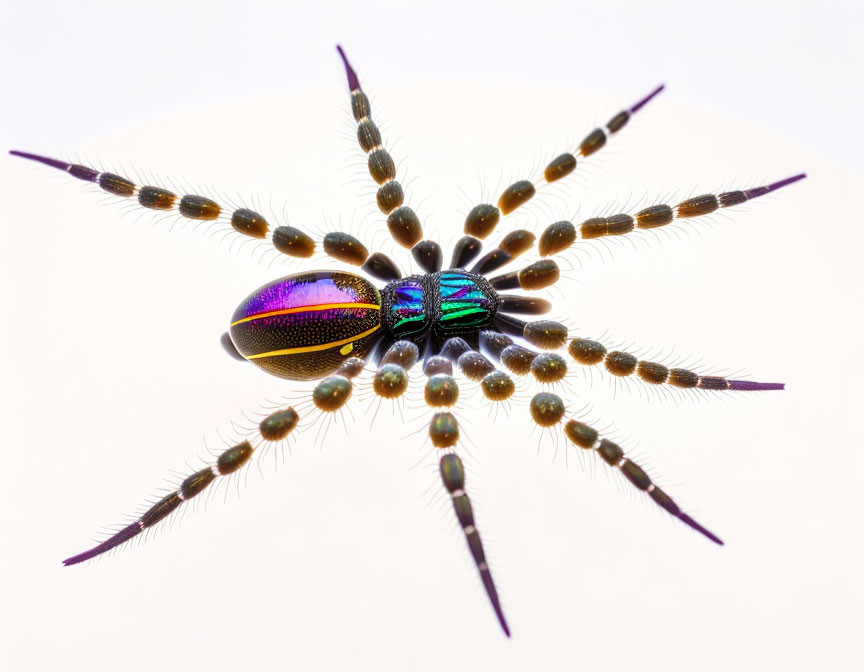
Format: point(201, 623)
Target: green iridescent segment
point(463, 302)
point(407, 309)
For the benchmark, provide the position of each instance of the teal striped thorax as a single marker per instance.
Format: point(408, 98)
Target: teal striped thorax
point(447, 304)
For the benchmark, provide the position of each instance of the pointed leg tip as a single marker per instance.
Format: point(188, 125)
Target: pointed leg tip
point(755, 192)
point(502, 621)
point(687, 520)
point(54, 163)
point(353, 82)
point(751, 386)
point(642, 103)
point(24, 155)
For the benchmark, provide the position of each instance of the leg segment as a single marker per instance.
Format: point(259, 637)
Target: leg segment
point(560, 236)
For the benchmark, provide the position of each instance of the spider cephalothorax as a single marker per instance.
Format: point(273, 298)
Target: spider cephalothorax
point(459, 320)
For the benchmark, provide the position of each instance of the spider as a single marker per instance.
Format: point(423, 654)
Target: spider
point(453, 325)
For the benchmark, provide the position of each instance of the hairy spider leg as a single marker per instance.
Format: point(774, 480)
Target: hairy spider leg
point(588, 438)
point(482, 219)
point(548, 410)
point(560, 236)
point(441, 393)
point(402, 221)
point(623, 364)
point(274, 428)
point(286, 239)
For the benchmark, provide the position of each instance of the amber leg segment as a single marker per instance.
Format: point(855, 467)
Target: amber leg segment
point(483, 218)
point(559, 236)
point(275, 427)
point(402, 221)
point(623, 364)
point(588, 438)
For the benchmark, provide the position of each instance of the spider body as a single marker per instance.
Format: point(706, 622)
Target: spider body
point(304, 326)
point(458, 324)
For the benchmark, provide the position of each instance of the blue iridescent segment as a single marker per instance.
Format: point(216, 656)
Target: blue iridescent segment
point(407, 310)
point(465, 302)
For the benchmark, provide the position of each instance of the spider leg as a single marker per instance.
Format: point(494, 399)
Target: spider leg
point(483, 218)
point(329, 395)
point(402, 221)
point(441, 392)
point(588, 438)
point(548, 410)
point(275, 427)
point(560, 236)
point(623, 364)
point(287, 240)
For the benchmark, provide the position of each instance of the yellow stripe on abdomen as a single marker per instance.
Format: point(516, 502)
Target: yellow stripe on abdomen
point(316, 348)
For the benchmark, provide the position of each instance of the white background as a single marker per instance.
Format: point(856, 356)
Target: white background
point(347, 557)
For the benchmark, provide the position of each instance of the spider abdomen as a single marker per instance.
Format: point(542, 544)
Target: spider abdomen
point(303, 326)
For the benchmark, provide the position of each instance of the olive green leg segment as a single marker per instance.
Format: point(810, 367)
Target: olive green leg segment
point(275, 427)
point(391, 378)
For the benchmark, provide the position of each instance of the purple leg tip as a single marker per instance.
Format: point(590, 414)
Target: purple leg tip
point(54, 163)
point(696, 526)
point(756, 192)
point(750, 386)
point(353, 82)
point(642, 103)
point(121, 537)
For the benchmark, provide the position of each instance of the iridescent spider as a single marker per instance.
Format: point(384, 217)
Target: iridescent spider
point(326, 325)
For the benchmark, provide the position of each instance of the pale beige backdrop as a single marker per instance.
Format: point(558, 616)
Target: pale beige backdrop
point(347, 557)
